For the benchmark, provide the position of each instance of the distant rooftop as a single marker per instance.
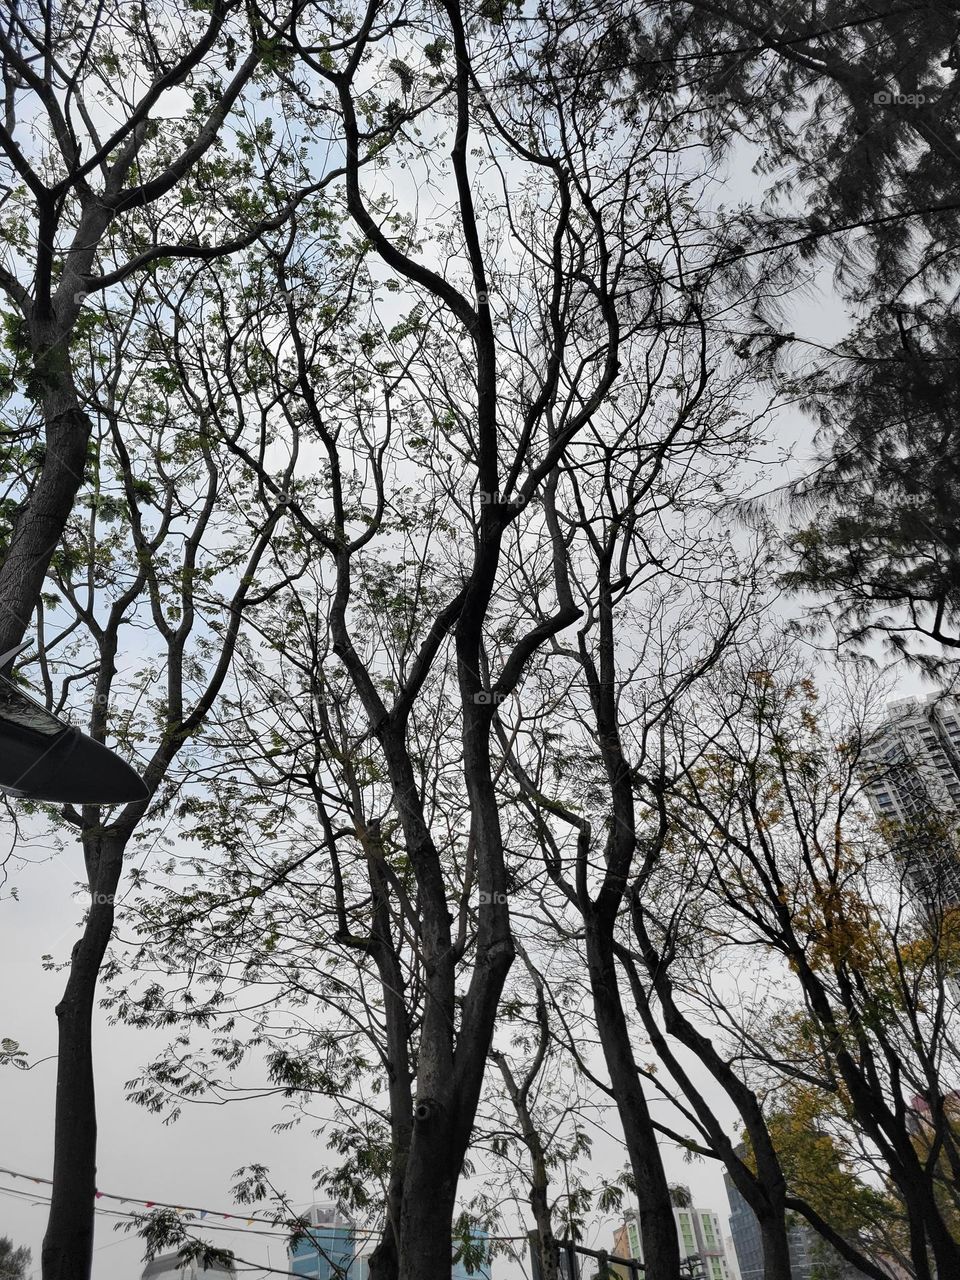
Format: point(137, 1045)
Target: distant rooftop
point(168, 1264)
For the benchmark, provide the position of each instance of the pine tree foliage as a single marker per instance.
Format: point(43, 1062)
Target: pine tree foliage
point(882, 541)
point(14, 1261)
point(850, 112)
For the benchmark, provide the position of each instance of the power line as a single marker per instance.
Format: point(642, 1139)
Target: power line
point(206, 1216)
point(128, 1215)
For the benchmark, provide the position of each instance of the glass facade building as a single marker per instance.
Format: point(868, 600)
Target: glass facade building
point(745, 1230)
point(811, 1258)
point(460, 1272)
point(333, 1250)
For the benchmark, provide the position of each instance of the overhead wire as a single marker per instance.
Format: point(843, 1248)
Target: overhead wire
point(206, 1217)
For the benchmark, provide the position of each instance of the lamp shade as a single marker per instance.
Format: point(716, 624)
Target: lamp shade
point(44, 758)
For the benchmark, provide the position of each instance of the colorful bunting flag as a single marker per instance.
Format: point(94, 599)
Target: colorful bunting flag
point(148, 1204)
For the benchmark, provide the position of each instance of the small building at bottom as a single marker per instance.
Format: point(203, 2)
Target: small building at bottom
point(169, 1267)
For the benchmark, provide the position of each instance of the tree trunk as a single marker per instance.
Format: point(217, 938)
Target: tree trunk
point(43, 517)
point(885, 1128)
point(929, 1234)
point(765, 1192)
point(661, 1249)
point(546, 1240)
point(448, 1093)
point(385, 1260)
point(449, 1087)
point(539, 1178)
point(430, 1193)
point(918, 1240)
point(68, 1242)
point(776, 1247)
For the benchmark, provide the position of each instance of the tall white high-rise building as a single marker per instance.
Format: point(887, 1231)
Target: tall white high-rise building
point(699, 1233)
point(912, 779)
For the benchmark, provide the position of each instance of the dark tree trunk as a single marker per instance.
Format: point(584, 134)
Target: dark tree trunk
point(928, 1231)
point(945, 1249)
point(546, 1243)
point(43, 517)
point(919, 1255)
point(661, 1248)
point(452, 1058)
point(448, 1093)
point(430, 1193)
point(68, 1243)
point(776, 1246)
point(546, 1240)
point(385, 1260)
point(764, 1191)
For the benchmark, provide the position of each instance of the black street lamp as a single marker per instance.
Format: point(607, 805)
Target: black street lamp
point(44, 758)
